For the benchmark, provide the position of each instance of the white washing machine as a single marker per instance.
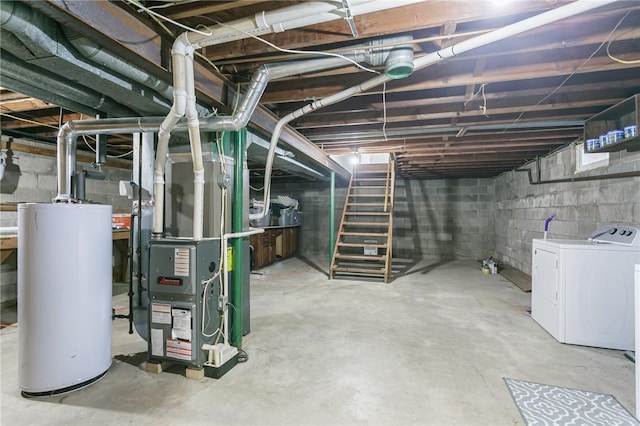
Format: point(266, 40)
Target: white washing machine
point(637, 298)
point(582, 290)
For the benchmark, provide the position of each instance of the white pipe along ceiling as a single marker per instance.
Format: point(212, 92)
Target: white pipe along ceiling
point(184, 96)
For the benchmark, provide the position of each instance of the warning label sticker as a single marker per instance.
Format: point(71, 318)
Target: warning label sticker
point(181, 324)
point(156, 342)
point(181, 262)
point(229, 259)
point(161, 313)
point(179, 349)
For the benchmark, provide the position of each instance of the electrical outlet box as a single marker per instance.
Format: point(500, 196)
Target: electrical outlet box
point(222, 303)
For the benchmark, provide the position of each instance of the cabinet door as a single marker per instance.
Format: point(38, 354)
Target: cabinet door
point(293, 241)
point(286, 244)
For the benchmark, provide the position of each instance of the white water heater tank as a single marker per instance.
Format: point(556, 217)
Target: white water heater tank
point(64, 296)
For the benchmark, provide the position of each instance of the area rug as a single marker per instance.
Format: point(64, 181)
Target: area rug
point(552, 405)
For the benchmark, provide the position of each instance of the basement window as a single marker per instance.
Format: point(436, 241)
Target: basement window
point(586, 161)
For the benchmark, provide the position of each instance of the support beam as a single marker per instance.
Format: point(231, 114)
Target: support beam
point(332, 208)
point(240, 157)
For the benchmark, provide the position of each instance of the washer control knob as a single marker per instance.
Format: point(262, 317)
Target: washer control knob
point(613, 231)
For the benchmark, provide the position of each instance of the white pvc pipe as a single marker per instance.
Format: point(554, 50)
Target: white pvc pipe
point(297, 16)
point(544, 18)
point(196, 150)
point(8, 230)
point(177, 111)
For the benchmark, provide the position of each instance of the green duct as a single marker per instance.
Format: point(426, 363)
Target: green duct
point(332, 225)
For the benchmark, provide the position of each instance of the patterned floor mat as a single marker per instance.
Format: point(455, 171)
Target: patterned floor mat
point(551, 405)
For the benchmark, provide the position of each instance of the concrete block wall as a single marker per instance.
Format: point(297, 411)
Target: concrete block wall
point(580, 207)
point(439, 219)
point(32, 178)
point(443, 219)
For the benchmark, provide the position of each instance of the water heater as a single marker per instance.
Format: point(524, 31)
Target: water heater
point(64, 296)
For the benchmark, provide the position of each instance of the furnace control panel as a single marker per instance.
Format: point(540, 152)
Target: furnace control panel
point(616, 234)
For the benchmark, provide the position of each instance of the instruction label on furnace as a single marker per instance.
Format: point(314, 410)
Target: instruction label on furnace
point(161, 313)
point(181, 262)
point(179, 349)
point(181, 324)
point(157, 340)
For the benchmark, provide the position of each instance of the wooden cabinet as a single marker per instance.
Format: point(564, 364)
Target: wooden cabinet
point(275, 243)
point(264, 251)
point(289, 242)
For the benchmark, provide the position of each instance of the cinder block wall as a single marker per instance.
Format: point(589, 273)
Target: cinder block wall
point(439, 219)
point(444, 219)
point(32, 178)
point(580, 207)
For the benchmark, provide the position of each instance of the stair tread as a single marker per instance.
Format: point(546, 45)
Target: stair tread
point(371, 171)
point(366, 223)
point(368, 195)
point(360, 257)
point(364, 234)
point(368, 213)
point(365, 204)
point(357, 179)
point(362, 245)
point(358, 270)
point(369, 187)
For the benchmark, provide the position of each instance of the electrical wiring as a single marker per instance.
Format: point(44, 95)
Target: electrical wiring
point(480, 91)
point(205, 303)
point(622, 61)
point(87, 143)
point(26, 120)
point(121, 155)
point(243, 356)
point(160, 16)
point(173, 3)
point(283, 50)
point(256, 189)
point(208, 61)
point(157, 18)
point(233, 61)
point(84, 137)
point(570, 75)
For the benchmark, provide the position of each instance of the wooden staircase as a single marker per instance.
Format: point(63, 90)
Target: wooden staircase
point(363, 245)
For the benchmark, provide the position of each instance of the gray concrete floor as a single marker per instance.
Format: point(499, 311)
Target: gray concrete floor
point(432, 347)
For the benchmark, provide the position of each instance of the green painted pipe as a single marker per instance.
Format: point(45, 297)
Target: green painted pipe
point(240, 153)
point(332, 224)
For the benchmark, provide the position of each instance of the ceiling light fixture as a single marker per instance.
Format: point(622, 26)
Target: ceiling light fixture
point(355, 157)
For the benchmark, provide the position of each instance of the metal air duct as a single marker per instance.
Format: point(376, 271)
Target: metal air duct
point(40, 35)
